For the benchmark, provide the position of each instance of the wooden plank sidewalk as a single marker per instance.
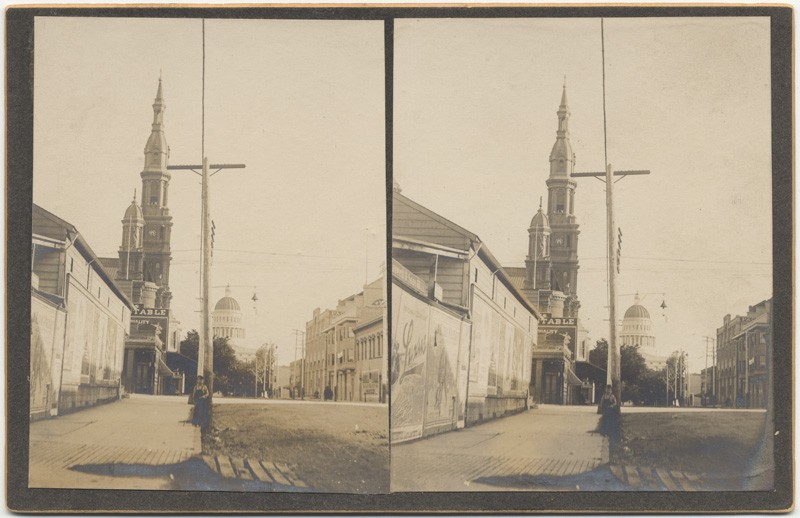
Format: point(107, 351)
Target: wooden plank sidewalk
point(657, 479)
point(251, 469)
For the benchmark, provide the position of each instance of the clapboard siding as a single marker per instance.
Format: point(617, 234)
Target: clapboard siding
point(418, 264)
point(48, 267)
point(449, 273)
point(410, 222)
point(450, 276)
point(45, 226)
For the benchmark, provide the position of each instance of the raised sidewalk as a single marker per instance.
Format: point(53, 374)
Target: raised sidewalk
point(547, 441)
point(136, 431)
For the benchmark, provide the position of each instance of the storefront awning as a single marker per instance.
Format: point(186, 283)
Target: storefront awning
point(163, 369)
point(572, 378)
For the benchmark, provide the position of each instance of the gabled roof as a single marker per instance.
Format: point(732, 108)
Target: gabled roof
point(436, 227)
point(47, 224)
point(469, 241)
point(516, 275)
point(111, 265)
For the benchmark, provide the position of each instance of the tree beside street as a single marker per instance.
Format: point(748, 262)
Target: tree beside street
point(232, 376)
point(640, 384)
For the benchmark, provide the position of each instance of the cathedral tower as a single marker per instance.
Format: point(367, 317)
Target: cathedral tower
point(537, 262)
point(157, 220)
point(561, 214)
point(131, 251)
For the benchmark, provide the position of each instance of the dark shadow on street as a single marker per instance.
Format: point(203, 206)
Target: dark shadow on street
point(192, 475)
point(599, 479)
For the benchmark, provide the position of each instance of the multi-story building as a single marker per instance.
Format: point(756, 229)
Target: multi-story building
point(344, 348)
point(549, 280)
point(463, 334)
point(743, 357)
point(79, 321)
point(371, 358)
point(142, 270)
point(340, 339)
point(317, 359)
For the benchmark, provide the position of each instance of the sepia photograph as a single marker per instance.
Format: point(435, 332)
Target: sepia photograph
point(403, 259)
point(582, 255)
point(208, 255)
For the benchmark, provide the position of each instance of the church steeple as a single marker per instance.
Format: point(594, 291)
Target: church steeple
point(562, 159)
point(156, 151)
point(564, 229)
point(155, 205)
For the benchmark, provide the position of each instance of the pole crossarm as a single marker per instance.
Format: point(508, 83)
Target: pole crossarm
point(211, 166)
point(631, 172)
point(194, 168)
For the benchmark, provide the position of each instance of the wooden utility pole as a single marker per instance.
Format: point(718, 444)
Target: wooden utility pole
point(613, 375)
point(205, 353)
point(208, 334)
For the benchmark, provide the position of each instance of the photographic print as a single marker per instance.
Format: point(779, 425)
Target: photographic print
point(208, 255)
point(399, 259)
point(555, 175)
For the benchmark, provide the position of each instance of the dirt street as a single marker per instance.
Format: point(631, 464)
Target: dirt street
point(333, 447)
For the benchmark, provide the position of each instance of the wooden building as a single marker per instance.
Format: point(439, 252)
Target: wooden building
point(463, 334)
point(79, 321)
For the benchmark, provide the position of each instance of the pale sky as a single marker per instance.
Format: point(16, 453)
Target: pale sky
point(687, 98)
point(301, 103)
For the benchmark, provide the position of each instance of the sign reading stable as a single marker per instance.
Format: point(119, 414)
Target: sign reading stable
point(154, 317)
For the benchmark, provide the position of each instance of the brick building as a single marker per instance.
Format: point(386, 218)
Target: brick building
point(743, 357)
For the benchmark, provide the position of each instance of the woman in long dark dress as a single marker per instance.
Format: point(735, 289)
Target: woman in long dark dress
point(200, 396)
point(608, 406)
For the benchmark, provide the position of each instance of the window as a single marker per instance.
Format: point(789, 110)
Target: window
point(71, 264)
point(476, 275)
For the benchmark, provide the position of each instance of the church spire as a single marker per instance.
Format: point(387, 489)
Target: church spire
point(562, 159)
point(156, 150)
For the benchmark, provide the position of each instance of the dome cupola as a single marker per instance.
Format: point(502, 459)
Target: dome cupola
point(227, 302)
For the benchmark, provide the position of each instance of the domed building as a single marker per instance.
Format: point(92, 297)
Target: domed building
point(226, 319)
point(637, 328)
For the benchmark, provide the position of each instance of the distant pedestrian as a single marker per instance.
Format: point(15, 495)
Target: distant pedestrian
point(608, 411)
point(328, 394)
point(200, 396)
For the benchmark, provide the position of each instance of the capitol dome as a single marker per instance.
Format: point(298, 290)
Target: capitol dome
point(227, 303)
point(637, 311)
point(226, 319)
point(637, 328)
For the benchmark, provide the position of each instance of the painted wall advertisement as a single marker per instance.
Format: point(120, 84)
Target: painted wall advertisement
point(500, 353)
point(429, 364)
point(47, 348)
point(95, 341)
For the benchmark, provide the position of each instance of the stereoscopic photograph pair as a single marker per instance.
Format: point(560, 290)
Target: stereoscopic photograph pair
point(394, 259)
